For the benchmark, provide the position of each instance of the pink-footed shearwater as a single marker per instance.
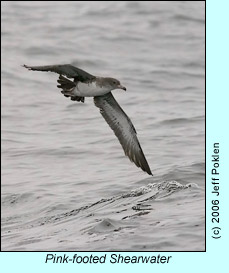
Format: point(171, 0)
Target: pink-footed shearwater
point(87, 85)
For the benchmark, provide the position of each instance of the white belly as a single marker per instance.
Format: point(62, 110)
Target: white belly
point(89, 90)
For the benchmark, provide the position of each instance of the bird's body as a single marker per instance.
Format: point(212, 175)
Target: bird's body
point(90, 89)
point(87, 85)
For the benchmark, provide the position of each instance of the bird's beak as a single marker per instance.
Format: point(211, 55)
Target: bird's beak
point(121, 87)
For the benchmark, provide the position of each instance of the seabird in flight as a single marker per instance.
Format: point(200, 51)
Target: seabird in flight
point(87, 85)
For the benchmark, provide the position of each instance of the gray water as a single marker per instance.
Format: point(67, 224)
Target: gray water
point(66, 184)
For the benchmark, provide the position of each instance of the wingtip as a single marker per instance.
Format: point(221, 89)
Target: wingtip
point(146, 168)
point(26, 66)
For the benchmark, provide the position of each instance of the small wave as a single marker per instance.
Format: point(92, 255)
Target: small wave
point(182, 120)
point(106, 225)
point(15, 199)
point(135, 200)
point(181, 17)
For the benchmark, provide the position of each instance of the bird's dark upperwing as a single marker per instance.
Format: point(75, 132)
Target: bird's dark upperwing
point(123, 128)
point(64, 69)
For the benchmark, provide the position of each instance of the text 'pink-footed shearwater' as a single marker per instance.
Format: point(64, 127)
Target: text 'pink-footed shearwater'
point(87, 85)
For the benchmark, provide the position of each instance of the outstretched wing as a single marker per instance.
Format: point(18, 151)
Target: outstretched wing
point(64, 69)
point(123, 128)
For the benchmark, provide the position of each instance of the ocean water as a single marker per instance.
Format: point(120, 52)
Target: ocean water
point(66, 184)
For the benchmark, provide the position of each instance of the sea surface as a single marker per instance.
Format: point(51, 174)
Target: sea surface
point(66, 183)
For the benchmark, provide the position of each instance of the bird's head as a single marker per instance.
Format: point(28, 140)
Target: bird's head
point(115, 84)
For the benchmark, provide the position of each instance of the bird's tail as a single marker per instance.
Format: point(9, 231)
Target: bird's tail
point(68, 87)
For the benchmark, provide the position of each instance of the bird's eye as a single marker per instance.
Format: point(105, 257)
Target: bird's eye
point(114, 82)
